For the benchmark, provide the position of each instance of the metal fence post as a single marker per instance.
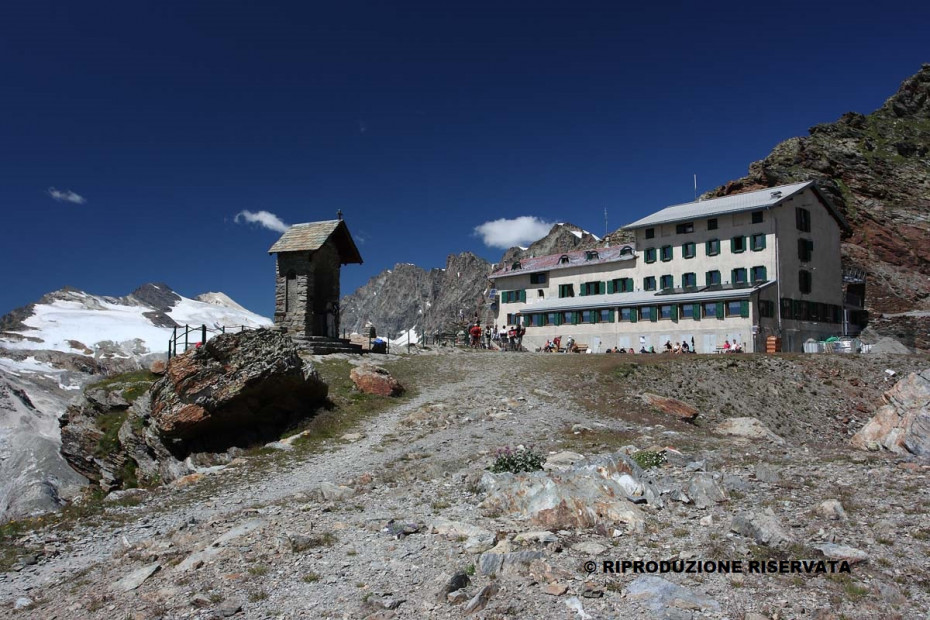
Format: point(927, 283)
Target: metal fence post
point(203, 333)
point(187, 330)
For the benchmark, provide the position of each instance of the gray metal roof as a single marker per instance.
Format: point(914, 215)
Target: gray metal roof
point(749, 201)
point(639, 298)
point(312, 235)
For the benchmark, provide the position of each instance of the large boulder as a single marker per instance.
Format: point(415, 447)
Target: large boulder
point(593, 492)
point(902, 425)
point(375, 380)
point(235, 387)
point(671, 406)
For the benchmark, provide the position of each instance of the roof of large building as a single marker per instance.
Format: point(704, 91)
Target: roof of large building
point(735, 203)
point(564, 260)
point(641, 298)
point(312, 235)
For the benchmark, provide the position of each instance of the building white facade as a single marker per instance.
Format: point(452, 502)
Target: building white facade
point(738, 268)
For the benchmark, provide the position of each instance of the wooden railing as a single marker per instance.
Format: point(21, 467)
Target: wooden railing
point(197, 335)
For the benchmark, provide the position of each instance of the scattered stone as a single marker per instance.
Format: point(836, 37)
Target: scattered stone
point(902, 425)
point(580, 428)
point(591, 591)
point(329, 492)
point(543, 537)
point(574, 604)
point(671, 406)
point(589, 548)
point(477, 540)
point(457, 597)
point(227, 609)
point(832, 509)
point(555, 589)
point(136, 578)
point(158, 367)
point(764, 528)
point(705, 492)
point(748, 428)
point(767, 472)
point(480, 600)
point(352, 437)
point(842, 552)
point(375, 380)
point(501, 560)
point(562, 460)
point(22, 603)
point(658, 594)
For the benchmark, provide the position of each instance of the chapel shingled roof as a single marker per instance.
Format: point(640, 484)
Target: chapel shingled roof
point(312, 235)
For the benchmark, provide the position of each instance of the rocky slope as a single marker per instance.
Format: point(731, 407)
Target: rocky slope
point(50, 349)
point(401, 518)
point(408, 297)
point(563, 237)
point(876, 168)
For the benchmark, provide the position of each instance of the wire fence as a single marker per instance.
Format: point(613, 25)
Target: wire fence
point(196, 336)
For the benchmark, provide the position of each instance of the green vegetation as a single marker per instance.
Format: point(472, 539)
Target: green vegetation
point(109, 424)
point(131, 385)
point(517, 460)
point(310, 577)
point(648, 458)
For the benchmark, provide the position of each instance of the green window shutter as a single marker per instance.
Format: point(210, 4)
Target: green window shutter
point(582, 290)
point(744, 309)
point(610, 287)
point(675, 313)
point(601, 288)
point(654, 313)
point(610, 317)
point(575, 317)
point(733, 276)
point(523, 295)
point(696, 315)
point(762, 245)
point(634, 315)
point(629, 285)
point(720, 313)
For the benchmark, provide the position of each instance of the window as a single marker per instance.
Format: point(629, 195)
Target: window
point(757, 242)
point(540, 293)
point(626, 314)
point(804, 281)
point(710, 309)
point(688, 250)
point(757, 217)
point(645, 313)
point(513, 297)
point(605, 316)
point(712, 247)
point(649, 283)
point(516, 265)
point(650, 233)
point(566, 290)
point(787, 309)
point(738, 244)
point(712, 278)
point(553, 318)
point(666, 312)
point(803, 219)
point(689, 280)
point(587, 316)
point(666, 253)
point(758, 274)
point(805, 250)
point(592, 288)
point(666, 282)
point(800, 310)
point(620, 285)
point(712, 224)
point(650, 254)
point(536, 320)
point(591, 255)
point(814, 311)
point(567, 318)
point(733, 308)
point(563, 260)
point(687, 311)
point(738, 276)
point(538, 278)
point(766, 309)
point(626, 251)
point(682, 229)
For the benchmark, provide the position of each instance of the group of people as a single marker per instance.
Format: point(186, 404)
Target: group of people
point(732, 348)
point(555, 345)
point(509, 338)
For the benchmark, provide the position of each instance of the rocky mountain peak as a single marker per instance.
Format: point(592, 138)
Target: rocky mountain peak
point(157, 296)
point(562, 237)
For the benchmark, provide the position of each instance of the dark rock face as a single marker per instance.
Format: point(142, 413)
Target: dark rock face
point(236, 390)
point(874, 168)
point(407, 296)
point(158, 296)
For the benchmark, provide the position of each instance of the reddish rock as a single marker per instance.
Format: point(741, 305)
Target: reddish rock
point(375, 380)
point(902, 425)
point(158, 367)
point(672, 406)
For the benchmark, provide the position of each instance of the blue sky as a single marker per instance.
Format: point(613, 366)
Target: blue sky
point(133, 133)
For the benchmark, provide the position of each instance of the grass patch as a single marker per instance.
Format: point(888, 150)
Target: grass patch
point(258, 570)
point(310, 577)
point(131, 385)
point(109, 424)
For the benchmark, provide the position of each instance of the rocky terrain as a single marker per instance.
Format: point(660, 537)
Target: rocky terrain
point(50, 349)
point(876, 168)
point(396, 514)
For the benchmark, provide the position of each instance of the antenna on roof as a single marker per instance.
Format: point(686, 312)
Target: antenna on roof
point(695, 186)
point(339, 215)
point(606, 230)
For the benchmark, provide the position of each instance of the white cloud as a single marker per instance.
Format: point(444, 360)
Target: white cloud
point(264, 219)
point(67, 196)
point(504, 233)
